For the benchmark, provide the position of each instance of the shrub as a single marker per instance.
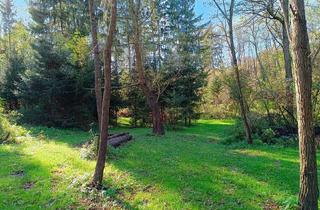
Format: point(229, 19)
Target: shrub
point(9, 131)
point(268, 136)
point(238, 134)
point(259, 123)
point(287, 141)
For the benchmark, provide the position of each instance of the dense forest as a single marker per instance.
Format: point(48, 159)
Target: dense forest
point(132, 91)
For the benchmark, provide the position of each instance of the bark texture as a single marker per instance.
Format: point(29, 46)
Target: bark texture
point(152, 98)
point(287, 57)
point(98, 174)
point(308, 196)
point(96, 59)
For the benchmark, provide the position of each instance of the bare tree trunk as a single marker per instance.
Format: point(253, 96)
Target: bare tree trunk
point(152, 99)
point(287, 57)
point(228, 16)
point(241, 98)
point(157, 119)
point(308, 196)
point(97, 66)
point(98, 174)
point(263, 73)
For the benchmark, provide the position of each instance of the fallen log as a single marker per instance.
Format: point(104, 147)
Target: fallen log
point(119, 139)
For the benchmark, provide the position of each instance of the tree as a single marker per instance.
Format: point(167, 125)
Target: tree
point(308, 196)
point(96, 58)
point(8, 19)
point(270, 10)
point(56, 89)
point(287, 56)
point(12, 67)
point(228, 15)
point(98, 174)
point(184, 61)
point(151, 96)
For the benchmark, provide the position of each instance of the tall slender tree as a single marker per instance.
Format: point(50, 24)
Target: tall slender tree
point(96, 58)
point(308, 196)
point(8, 19)
point(151, 96)
point(287, 57)
point(100, 165)
point(270, 10)
point(227, 11)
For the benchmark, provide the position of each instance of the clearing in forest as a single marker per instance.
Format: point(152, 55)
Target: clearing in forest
point(185, 169)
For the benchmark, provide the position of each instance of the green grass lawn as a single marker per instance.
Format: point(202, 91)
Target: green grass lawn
point(186, 169)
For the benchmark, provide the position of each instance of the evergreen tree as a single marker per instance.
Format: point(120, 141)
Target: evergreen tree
point(57, 90)
point(186, 33)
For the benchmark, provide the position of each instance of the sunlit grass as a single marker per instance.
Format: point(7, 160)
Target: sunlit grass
point(186, 169)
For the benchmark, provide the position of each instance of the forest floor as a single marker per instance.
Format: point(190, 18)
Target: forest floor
point(186, 169)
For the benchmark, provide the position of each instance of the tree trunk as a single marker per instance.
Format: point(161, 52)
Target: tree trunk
point(241, 98)
point(98, 174)
point(308, 196)
point(97, 66)
point(157, 124)
point(152, 99)
point(287, 58)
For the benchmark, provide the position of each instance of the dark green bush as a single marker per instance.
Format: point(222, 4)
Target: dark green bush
point(268, 136)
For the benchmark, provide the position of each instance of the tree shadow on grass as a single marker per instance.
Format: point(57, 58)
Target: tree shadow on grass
point(211, 176)
point(71, 137)
point(25, 183)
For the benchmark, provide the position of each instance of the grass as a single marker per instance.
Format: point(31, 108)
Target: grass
point(186, 169)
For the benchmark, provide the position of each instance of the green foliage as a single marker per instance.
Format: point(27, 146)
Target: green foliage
point(287, 141)
point(238, 134)
point(216, 86)
point(8, 13)
point(134, 100)
point(9, 131)
point(184, 61)
point(268, 136)
point(57, 91)
point(10, 81)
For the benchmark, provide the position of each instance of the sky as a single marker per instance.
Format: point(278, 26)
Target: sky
point(201, 8)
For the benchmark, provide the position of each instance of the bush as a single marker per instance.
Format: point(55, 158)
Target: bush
point(287, 141)
point(268, 136)
point(9, 131)
point(259, 123)
point(238, 134)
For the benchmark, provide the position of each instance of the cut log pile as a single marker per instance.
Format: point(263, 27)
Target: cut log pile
point(117, 140)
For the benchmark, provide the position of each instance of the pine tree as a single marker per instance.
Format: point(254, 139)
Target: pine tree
point(186, 33)
point(58, 85)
